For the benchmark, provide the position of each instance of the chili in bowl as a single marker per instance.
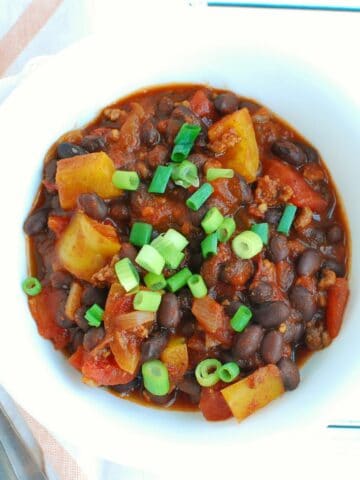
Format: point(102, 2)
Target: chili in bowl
point(188, 249)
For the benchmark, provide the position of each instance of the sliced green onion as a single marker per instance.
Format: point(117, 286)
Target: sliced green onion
point(177, 239)
point(199, 197)
point(178, 280)
point(140, 233)
point(185, 174)
point(156, 377)
point(168, 251)
point(262, 229)
point(214, 173)
point(184, 141)
point(160, 179)
point(94, 315)
point(209, 245)
point(229, 371)
point(197, 286)
point(241, 318)
point(212, 220)
point(126, 180)
point(150, 259)
point(207, 372)
point(287, 219)
point(127, 274)
point(226, 229)
point(147, 301)
point(154, 281)
point(247, 244)
point(31, 286)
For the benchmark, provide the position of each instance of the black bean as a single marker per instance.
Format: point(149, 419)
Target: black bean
point(337, 267)
point(309, 262)
point(273, 215)
point(246, 192)
point(187, 327)
point(128, 251)
point(251, 106)
point(247, 342)
point(62, 320)
point(164, 400)
point(127, 387)
point(232, 308)
point(93, 143)
point(172, 128)
point(334, 234)
point(50, 170)
point(93, 337)
point(165, 106)
point(195, 262)
point(262, 292)
point(198, 159)
point(289, 373)
point(67, 150)
point(289, 152)
point(226, 103)
point(93, 295)
point(93, 205)
point(154, 345)
point(272, 346)
point(315, 236)
point(196, 217)
point(149, 134)
point(80, 319)
point(119, 211)
point(303, 301)
point(60, 280)
point(55, 202)
point(36, 222)
point(169, 311)
point(271, 314)
point(278, 247)
point(76, 340)
point(190, 386)
point(310, 152)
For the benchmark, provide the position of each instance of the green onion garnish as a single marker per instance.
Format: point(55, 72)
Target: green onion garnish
point(127, 274)
point(226, 229)
point(262, 229)
point(287, 219)
point(184, 141)
point(147, 301)
point(209, 245)
point(178, 280)
point(173, 257)
point(177, 239)
point(247, 244)
point(160, 179)
point(199, 197)
point(156, 377)
point(212, 220)
point(207, 372)
point(197, 286)
point(229, 371)
point(126, 180)
point(241, 318)
point(214, 173)
point(140, 233)
point(185, 174)
point(150, 259)
point(31, 286)
point(154, 281)
point(94, 315)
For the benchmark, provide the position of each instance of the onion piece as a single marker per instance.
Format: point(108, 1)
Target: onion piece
point(73, 301)
point(127, 321)
point(208, 313)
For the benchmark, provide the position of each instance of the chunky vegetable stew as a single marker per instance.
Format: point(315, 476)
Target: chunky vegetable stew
point(186, 248)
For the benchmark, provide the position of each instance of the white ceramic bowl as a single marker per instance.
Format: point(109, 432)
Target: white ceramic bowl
point(248, 56)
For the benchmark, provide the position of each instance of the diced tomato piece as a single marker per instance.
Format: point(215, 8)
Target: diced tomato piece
point(338, 295)
point(212, 404)
point(77, 359)
point(201, 105)
point(103, 370)
point(58, 224)
point(43, 308)
point(304, 195)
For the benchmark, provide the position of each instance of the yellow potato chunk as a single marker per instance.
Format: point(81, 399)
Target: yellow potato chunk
point(175, 357)
point(85, 246)
point(85, 174)
point(254, 392)
point(233, 137)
